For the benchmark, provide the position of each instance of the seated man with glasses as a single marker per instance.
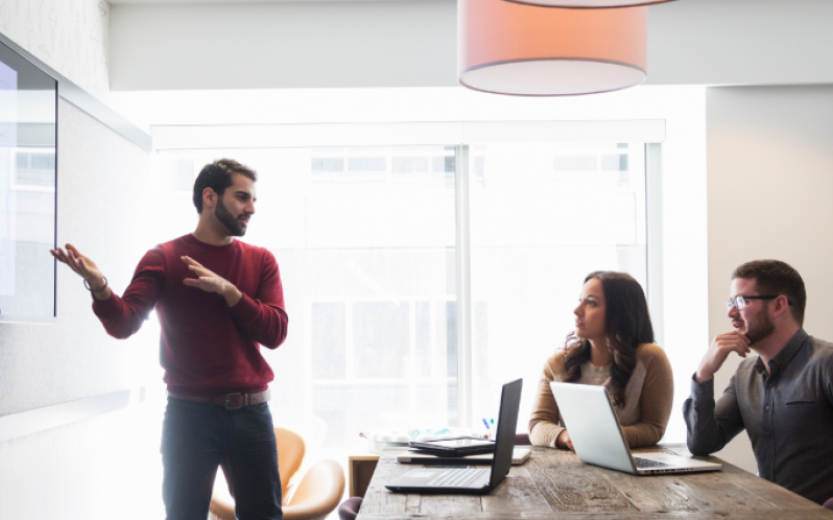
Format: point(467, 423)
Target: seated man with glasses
point(783, 397)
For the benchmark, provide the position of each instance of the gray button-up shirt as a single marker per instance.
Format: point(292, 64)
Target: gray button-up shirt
point(787, 413)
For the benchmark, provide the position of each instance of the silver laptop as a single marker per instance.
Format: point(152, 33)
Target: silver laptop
point(471, 480)
point(598, 439)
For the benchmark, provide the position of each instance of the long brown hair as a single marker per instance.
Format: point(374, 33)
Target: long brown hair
point(627, 325)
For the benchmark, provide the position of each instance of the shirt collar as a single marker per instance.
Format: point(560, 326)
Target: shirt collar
point(780, 361)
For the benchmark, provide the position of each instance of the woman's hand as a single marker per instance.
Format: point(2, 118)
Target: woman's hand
point(564, 441)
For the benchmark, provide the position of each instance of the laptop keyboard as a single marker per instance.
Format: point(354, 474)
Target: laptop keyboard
point(461, 477)
point(642, 463)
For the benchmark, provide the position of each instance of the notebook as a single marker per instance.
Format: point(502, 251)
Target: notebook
point(456, 447)
point(471, 480)
point(598, 438)
point(519, 456)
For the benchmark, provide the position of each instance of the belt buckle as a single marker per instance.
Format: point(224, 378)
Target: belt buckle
point(241, 401)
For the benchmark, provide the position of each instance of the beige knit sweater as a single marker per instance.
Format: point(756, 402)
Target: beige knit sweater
point(648, 398)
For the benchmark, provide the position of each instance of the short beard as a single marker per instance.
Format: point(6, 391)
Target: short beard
point(762, 329)
point(228, 220)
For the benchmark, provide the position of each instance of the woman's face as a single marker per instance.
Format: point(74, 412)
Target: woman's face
point(590, 313)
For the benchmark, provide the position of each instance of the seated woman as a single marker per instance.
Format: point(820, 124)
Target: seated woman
point(611, 346)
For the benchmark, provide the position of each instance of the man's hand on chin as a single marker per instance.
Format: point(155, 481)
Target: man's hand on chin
point(719, 350)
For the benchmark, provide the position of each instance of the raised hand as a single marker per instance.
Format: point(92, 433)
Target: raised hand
point(719, 350)
point(84, 267)
point(211, 282)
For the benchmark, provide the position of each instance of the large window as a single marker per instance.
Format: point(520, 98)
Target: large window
point(368, 240)
point(543, 216)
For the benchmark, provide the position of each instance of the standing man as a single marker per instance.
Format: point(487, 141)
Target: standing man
point(783, 397)
point(217, 300)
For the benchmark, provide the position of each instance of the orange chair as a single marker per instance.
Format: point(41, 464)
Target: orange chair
point(315, 497)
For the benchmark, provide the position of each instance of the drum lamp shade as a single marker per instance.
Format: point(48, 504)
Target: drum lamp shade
point(588, 4)
point(509, 48)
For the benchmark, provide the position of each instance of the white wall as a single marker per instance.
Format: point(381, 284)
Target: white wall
point(72, 37)
point(108, 466)
point(741, 42)
point(770, 179)
point(411, 43)
point(286, 45)
point(103, 209)
point(105, 468)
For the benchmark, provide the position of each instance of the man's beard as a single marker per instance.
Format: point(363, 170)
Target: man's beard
point(762, 328)
point(228, 220)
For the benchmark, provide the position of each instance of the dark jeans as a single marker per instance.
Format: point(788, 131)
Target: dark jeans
point(197, 438)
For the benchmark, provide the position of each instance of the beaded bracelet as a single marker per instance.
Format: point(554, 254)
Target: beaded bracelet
point(87, 285)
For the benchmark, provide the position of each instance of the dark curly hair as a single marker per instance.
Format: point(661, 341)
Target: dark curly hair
point(627, 326)
point(218, 176)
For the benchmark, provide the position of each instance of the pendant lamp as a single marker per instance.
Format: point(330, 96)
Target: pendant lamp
point(588, 4)
point(508, 48)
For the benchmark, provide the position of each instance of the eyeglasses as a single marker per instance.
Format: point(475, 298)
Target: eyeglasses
point(739, 302)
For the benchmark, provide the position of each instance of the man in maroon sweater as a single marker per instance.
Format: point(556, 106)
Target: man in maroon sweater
point(218, 300)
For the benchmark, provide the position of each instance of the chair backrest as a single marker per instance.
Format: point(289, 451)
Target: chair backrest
point(291, 450)
point(318, 494)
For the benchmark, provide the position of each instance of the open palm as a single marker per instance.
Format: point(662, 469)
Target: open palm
point(82, 265)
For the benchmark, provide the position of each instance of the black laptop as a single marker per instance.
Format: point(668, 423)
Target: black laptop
point(471, 480)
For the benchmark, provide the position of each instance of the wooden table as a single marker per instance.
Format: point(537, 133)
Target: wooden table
point(554, 484)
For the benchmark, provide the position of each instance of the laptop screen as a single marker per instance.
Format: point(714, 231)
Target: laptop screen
point(510, 402)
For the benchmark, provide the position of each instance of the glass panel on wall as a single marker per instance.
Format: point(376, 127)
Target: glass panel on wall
point(543, 216)
point(365, 241)
point(27, 189)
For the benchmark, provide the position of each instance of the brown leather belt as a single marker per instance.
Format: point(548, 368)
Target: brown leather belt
point(228, 401)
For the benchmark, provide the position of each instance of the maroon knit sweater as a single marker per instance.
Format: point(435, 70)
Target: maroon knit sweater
point(207, 347)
